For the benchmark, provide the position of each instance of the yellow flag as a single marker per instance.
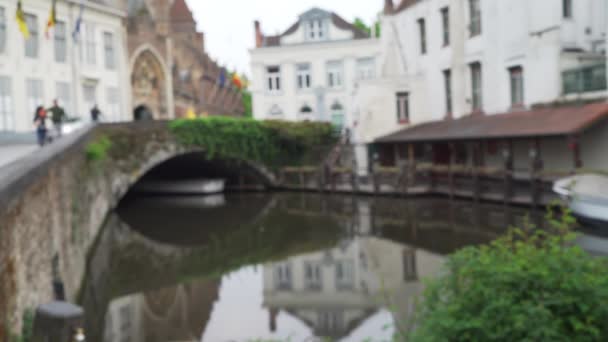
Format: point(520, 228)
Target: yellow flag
point(20, 16)
point(190, 114)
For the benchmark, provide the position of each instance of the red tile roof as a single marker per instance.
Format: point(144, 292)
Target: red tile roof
point(541, 122)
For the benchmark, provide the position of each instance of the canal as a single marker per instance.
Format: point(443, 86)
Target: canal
point(244, 267)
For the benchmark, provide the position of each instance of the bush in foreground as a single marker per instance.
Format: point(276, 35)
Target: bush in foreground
point(530, 285)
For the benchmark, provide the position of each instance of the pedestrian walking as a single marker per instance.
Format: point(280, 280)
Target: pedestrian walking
point(40, 123)
point(95, 114)
point(58, 116)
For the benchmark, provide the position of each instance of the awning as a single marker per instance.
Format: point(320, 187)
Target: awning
point(542, 122)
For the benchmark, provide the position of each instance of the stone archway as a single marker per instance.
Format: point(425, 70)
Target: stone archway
point(148, 81)
point(142, 113)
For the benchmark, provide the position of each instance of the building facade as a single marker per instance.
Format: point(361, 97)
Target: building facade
point(451, 59)
point(78, 70)
point(311, 71)
point(172, 74)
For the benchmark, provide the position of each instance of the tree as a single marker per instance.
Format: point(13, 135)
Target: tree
point(531, 285)
point(247, 102)
point(360, 24)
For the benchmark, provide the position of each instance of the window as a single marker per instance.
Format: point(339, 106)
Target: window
point(475, 14)
point(516, 76)
point(31, 44)
point(7, 120)
point(313, 278)
point(315, 30)
point(90, 44)
point(275, 111)
point(447, 79)
point(303, 76)
point(567, 8)
point(108, 47)
point(345, 278)
point(89, 95)
point(366, 69)
point(334, 74)
point(60, 42)
point(63, 95)
point(282, 277)
point(445, 21)
point(422, 32)
point(476, 87)
point(35, 97)
point(337, 116)
point(306, 111)
point(403, 108)
point(2, 30)
point(113, 103)
point(409, 265)
point(274, 78)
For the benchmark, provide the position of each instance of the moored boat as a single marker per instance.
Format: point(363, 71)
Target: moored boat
point(587, 197)
point(183, 187)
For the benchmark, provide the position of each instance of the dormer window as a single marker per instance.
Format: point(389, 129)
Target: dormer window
point(316, 30)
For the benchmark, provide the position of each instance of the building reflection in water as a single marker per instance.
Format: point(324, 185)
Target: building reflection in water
point(369, 278)
point(335, 291)
point(179, 313)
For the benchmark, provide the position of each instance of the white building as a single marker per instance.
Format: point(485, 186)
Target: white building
point(35, 71)
point(311, 71)
point(447, 59)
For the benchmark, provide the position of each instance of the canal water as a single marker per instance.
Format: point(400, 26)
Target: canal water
point(285, 266)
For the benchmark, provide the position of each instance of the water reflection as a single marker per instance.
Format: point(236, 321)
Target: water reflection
point(282, 266)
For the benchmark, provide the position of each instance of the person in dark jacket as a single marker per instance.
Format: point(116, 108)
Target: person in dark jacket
point(95, 114)
point(58, 116)
point(40, 123)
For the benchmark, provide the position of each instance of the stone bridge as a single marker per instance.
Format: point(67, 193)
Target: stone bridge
point(53, 203)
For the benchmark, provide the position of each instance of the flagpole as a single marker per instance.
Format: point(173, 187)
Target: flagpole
point(75, 69)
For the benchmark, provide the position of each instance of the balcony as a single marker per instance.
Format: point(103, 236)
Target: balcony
point(585, 79)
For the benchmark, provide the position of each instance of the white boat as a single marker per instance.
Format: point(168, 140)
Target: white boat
point(184, 186)
point(587, 197)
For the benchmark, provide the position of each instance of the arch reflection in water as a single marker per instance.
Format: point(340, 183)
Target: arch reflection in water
point(261, 266)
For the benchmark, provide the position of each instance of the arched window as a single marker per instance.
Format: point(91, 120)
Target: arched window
point(306, 109)
point(337, 116)
point(275, 111)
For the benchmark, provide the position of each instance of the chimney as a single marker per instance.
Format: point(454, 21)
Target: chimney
point(388, 7)
point(259, 36)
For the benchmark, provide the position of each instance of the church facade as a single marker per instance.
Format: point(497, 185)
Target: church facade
point(172, 75)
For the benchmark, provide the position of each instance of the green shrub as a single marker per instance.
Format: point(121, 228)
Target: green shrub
point(530, 285)
point(271, 142)
point(98, 149)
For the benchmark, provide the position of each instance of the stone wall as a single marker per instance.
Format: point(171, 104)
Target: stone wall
point(54, 202)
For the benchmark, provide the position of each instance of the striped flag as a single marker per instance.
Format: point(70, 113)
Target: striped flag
point(20, 17)
point(76, 32)
point(52, 19)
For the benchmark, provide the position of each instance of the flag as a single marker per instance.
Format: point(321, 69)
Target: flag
point(20, 16)
point(52, 19)
point(76, 32)
point(190, 114)
point(236, 80)
point(222, 78)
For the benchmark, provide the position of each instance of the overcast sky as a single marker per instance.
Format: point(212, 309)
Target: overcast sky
point(228, 24)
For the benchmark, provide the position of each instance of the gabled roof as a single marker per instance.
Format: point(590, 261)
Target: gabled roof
point(335, 19)
point(180, 12)
point(405, 4)
point(542, 122)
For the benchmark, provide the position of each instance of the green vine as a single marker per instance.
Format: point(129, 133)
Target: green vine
point(97, 150)
point(274, 143)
